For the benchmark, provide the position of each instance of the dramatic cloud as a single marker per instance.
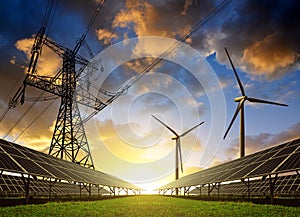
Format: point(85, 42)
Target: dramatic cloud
point(154, 18)
point(271, 56)
point(49, 63)
point(262, 37)
point(105, 36)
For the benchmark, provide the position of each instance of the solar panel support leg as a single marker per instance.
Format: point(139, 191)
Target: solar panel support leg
point(217, 185)
point(272, 182)
point(211, 189)
point(50, 187)
point(112, 191)
point(80, 190)
point(26, 181)
point(186, 190)
point(172, 190)
point(90, 189)
point(99, 189)
point(87, 187)
point(247, 183)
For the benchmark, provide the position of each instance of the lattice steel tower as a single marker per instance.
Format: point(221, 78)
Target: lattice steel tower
point(69, 140)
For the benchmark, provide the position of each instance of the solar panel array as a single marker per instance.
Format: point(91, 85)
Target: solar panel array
point(285, 185)
point(21, 160)
point(14, 186)
point(279, 159)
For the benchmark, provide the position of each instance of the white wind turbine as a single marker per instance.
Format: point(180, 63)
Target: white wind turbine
point(178, 146)
point(240, 108)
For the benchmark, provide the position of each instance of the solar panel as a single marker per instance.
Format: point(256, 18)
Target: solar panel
point(278, 159)
point(285, 185)
point(6, 163)
point(292, 162)
point(266, 167)
point(16, 158)
point(13, 185)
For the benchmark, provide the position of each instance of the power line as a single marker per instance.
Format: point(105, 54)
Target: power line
point(4, 114)
point(51, 16)
point(37, 117)
point(19, 120)
point(6, 99)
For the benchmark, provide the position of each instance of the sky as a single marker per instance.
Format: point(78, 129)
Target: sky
point(193, 83)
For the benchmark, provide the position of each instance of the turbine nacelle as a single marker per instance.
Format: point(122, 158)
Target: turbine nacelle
point(239, 99)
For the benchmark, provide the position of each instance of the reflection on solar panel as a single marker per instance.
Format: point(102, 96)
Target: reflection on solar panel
point(280, 159)
point(43, 173)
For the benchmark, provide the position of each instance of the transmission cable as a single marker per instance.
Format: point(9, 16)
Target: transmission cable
point(19, 120)
point(7, 97)
point(49, 14)
point(37, 117)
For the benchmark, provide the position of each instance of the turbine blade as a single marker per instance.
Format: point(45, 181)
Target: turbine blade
point(234, 116)
point(265, 102)
point(236, 75)
point(180, 154)
point(186, 132)
point(169, 128)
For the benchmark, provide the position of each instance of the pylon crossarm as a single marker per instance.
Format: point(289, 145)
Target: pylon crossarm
point(63, 51)
point(44, 83)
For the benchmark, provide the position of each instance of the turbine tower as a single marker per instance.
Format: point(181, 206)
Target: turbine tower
point(178, 146)
point(240, 108)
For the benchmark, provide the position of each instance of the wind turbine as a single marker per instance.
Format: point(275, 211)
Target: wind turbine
point(178, 146)
point(240, 108)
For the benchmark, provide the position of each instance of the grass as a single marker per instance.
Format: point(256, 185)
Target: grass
point(149, 206)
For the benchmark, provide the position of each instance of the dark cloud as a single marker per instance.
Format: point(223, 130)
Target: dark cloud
point(262, 36)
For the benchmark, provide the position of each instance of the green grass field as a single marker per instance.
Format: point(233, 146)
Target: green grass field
point(149, 206)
